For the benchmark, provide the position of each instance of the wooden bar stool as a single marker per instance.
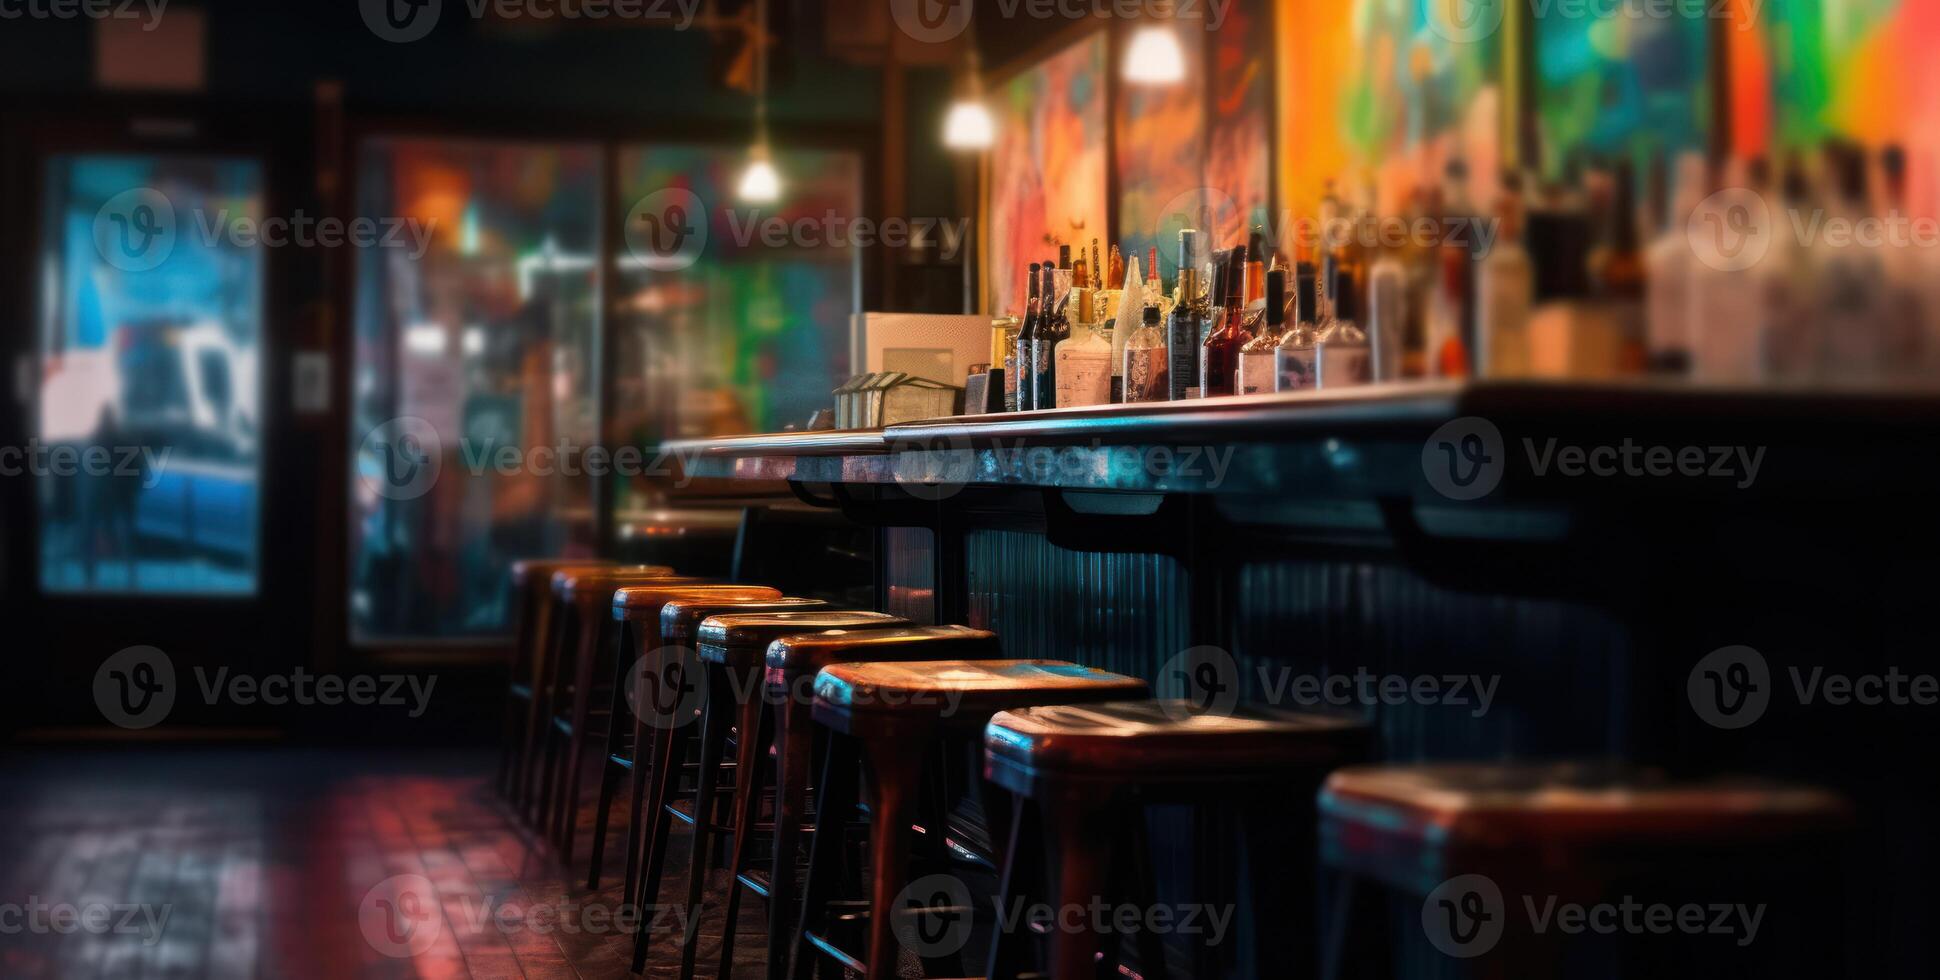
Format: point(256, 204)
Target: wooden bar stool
point(891, 716)
point(786, 664)
point(730, 649)
point(1483, 844)
point(582, 596)
point(1086, 772)
point(532, 613)
point(625, 740)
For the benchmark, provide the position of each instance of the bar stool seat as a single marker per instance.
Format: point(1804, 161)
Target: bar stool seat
point(1581, 833)
point(1085, 772)
point(1034, 750)
point(882, 699)
point(1418, 825)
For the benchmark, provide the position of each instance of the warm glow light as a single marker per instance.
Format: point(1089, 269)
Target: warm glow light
point(1155, 57)
point(427, 339)
point(969, 126)
point(760, 183)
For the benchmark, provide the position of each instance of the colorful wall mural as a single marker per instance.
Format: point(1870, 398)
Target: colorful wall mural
point(1048, 178)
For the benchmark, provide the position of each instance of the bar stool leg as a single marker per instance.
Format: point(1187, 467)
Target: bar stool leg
point(1083, 854)
point(544, 634)
point(714, 729)
point(566, 827)
point(834, 806)
point(670, 757)
point(1019, 882)
point(609, 773)
point(895, 770)
point(757, 732)
point(795, 737)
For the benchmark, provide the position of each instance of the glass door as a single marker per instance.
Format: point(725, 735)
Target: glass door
point(149, 421)
point(473, 379)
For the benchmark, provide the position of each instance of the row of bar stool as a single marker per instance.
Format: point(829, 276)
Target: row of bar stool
point(862, 718)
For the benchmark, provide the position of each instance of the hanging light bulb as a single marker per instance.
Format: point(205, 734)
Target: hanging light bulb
point(1155, 57)
point(761, 182)
point(968, 125)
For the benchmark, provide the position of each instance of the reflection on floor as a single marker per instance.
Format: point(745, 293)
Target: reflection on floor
point(227, 862)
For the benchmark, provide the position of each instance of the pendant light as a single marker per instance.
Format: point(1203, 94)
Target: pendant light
point(1154, 57)
point(761, 182)
point(968, 125)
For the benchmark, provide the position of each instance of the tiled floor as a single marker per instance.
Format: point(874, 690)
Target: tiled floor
point(268, 862)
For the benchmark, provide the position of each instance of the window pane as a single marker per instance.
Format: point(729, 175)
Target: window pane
point(149, 409)
point(484, 342)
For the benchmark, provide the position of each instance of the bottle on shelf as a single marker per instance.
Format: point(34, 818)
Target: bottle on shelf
point(1062, 277)
point(1189, 317)
point(1387, 314)
point(1668, 270)
point(1293, 360)
point(1257, 368)
point(1003, 355)
point(1083, 363)
point(1020, 362)
point(1505, 285)
point(1144, 359)
point(1053, 327)
point(1617, 274)
point(1219, 361)
point(1341, 350)
point(1447, 353)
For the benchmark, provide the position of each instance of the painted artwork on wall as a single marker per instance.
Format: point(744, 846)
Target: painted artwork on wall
point(1161, 160)
point(1238, 148)
point(1047, 170)
point(1378, 94)
point(1619, 83)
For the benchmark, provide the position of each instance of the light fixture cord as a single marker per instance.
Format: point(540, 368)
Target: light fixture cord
point(761, 74)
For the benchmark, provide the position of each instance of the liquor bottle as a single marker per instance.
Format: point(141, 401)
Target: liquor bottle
point(1617, 274)
point(1341, 351)
point(1127, 314)
point(1293, 360)
point(1063, 277)
point(1255, 289)
point(1257, 369)
point(1913, 277)
point(1189, 316)
point(1784, 343)
point(1003, 354)
point(1855, 314)
point(1505, 285)
point(1387, 315)
point(1083, 366)
point(1219, 361)
point(1447, 353)
point(1668, 272)
point(1144, 359)
point(1052, 327)
point(1026, 342)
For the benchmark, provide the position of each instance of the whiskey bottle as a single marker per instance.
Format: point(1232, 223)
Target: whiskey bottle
point(1189, 317)
point(1219, 361)
point(1341, 350)
point(1256, 360)
point(1026, 339)
point(1293, 360)
point(1083, 366)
